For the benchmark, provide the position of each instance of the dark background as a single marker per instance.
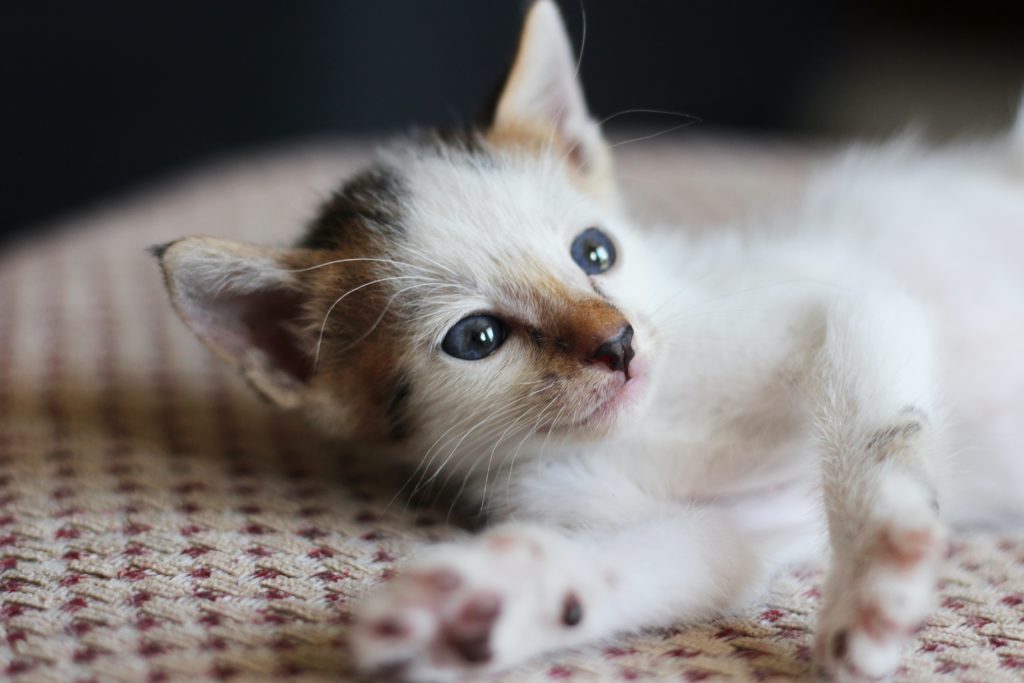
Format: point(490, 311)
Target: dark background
point(100, 98)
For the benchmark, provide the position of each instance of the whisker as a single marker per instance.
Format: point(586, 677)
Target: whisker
point(547, 437)
point(494, 448)
point(425, 463)
point(651, 136)
point(583, 38)
point(513, 428)
point(393, 262)
point(515, 454)
point(690, 285)
point(469, 472)
point(472, 429)
point(640, 110)
point(451, 453)
point(387, 306)
point(323, 326)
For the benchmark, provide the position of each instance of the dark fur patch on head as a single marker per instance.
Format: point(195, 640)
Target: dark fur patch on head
point(398, 418)
point(371, 201)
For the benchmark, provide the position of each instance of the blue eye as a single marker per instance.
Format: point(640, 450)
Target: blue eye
point(593, 251)
point(473, 338)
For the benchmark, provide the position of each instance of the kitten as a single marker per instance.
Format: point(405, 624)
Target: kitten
point(660, 419)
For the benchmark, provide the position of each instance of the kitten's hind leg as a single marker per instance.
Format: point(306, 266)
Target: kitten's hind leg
point(877, 425)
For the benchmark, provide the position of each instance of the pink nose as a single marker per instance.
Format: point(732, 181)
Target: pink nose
point(616, 352)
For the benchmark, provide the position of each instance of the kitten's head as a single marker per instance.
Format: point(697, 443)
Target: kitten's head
point(483, 287)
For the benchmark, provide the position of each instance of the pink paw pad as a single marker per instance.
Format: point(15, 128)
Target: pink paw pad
point(469, 633)
point(878, 625)
point(908, 547)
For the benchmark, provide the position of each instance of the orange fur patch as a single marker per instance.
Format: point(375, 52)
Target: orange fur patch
point(360, 352)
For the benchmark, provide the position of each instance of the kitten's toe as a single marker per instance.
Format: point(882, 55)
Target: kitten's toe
point(468, 633)
point(427, 625)
point(852, 655)
point(472, 609)
point(871, 615)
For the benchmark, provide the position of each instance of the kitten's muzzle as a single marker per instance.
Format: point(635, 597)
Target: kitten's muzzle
point(616, 352)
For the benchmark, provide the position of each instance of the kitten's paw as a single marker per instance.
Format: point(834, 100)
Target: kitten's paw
point(875, 607)
point(470, 609)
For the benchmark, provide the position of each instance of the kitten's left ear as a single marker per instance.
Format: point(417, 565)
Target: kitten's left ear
point(542, 102)
point(246, 304)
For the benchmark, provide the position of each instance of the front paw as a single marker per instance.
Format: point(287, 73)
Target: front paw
point(471, 609)
point(871, 612)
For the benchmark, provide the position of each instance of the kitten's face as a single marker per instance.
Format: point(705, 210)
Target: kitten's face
point(459, 294)
point(515, 305)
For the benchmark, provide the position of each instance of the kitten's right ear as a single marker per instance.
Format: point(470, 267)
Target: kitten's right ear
point(542, 104)
point(246, 304)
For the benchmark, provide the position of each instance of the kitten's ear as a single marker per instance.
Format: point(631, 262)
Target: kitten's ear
point(542, 101)
point(246, 304)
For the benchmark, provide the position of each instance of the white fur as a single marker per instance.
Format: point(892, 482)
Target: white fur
point(828, 380)
point(822, 379)
point(894, 291)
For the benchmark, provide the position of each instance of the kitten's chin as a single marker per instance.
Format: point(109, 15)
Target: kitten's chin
point(625, 398)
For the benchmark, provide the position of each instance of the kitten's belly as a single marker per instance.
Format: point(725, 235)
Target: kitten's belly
point(981, 474)
point(789, 499)
point(727, 467)
point(786, 520)
point(771, 493)
point(970, 275)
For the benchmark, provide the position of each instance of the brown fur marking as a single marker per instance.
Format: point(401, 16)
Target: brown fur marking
point(358, 222)
point(887, 442)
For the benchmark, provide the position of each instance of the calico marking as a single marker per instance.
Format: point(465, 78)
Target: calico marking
point(369, 202)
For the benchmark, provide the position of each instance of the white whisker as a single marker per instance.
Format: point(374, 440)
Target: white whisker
point(471, 430)
point(323, 326)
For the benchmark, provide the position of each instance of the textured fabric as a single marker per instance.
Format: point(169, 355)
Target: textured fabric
point(158, 523)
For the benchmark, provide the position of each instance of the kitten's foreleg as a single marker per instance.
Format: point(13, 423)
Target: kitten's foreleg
point(518, 591)
point(877, 423)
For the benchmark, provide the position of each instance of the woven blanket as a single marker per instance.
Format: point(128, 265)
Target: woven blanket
point(159, 523)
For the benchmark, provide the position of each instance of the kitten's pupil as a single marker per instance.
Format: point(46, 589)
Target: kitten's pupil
point(473, 338)
point(593, 251)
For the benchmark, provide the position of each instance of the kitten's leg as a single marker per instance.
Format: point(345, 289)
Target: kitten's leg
point(877, 427)
point(519, 591)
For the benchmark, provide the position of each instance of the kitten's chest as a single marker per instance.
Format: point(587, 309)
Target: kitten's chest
point(740, 423)
point(724, 449)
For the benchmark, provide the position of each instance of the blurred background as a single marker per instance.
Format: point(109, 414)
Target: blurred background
point(100, 98)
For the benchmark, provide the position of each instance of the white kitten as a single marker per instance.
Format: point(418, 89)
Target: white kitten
point(666, 418)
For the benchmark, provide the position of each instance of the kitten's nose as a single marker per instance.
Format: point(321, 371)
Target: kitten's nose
point(616, 352)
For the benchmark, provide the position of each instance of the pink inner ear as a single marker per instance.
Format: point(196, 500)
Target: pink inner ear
point(269, 318)
point(260, 321)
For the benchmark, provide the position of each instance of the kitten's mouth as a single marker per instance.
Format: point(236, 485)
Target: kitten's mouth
point(616, 400)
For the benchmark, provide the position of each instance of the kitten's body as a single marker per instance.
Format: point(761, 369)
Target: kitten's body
point(943, 228)
point(838, 373)
point(740, 310)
